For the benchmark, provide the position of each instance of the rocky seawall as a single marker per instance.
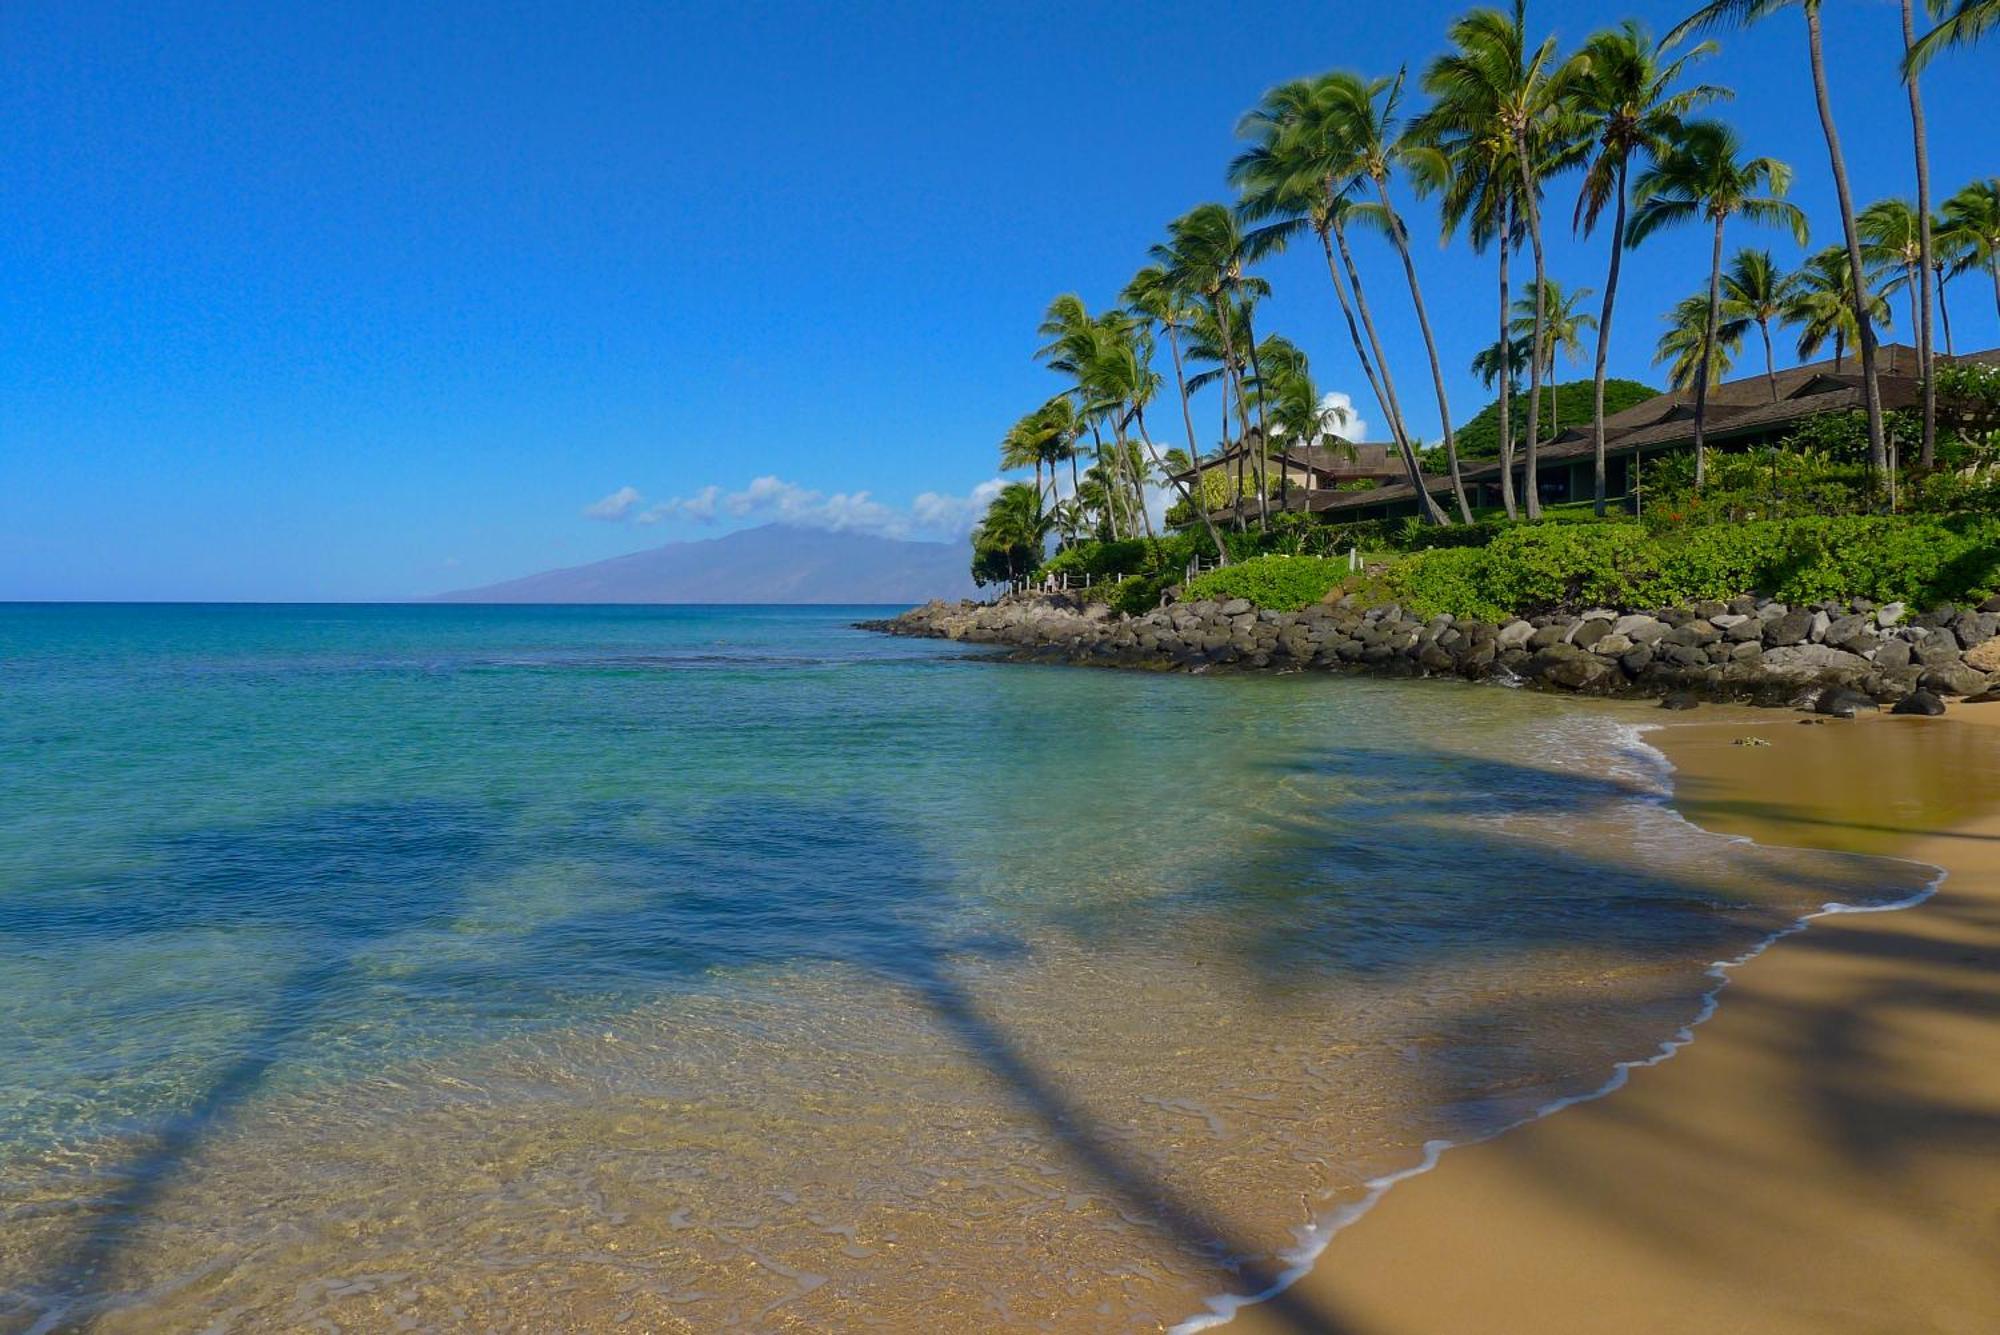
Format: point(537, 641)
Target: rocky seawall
point(1752, 650)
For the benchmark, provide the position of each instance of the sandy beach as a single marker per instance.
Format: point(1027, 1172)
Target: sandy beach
point(1824, 1156)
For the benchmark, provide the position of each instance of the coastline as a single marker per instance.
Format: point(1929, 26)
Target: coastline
point(1824, 1159)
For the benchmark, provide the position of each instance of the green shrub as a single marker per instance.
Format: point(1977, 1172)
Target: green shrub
point(1281, 583)
point(1544, 568)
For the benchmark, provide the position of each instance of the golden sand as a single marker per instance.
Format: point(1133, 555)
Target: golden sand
point(1824, 1157)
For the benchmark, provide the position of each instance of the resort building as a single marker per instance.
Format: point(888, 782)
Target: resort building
point(1749, 411)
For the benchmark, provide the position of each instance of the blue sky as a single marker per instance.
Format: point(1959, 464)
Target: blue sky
point(370, 301)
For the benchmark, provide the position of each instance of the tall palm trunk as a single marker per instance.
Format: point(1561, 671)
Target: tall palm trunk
point(1263, 432)
point(1506, 371)
point(1944, 310)
point(1187, 493)
point(1354, 336)
point(1925, 351)
point(1427, 505)
point(1198, 500)
point(1110, 483)
point(1871, 386)
point(1707, 353)
point(1384, 395)
point(1770, 366)
point(1534, 219)
point(1137, 500)
point(1396, 234)
point(1232, 371)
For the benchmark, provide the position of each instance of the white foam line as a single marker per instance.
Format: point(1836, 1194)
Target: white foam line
point(1313, 1239)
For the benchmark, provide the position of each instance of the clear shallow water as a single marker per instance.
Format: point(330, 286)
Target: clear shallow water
point(698, 967)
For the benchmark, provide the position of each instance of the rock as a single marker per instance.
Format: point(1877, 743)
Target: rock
point(1236, 607)
point(1639, 628)
point(1514, 635)
point(1919, 702)
point(1893, 654)
point(1991, 604)
point(1839, 702)
point(1554, 633)
point(1612, 645)
point(1790, 629)
point(1749, 741)
point(1694, 633)
point(1729, 620)
point(1680, 700)
point(1939, 650)
point(1772, 611)
point(1811, 660)
point(1988, 697)
point(1748, 630)
point(1842, 629)
point(1984, 657)
point(1889, 613)
point(1953, 679)
point(1821, 623)
point(1637, 659)
point(1592, 630)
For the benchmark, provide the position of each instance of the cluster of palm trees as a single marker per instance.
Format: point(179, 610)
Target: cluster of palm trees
point(1507, 116)
point(1818, 298)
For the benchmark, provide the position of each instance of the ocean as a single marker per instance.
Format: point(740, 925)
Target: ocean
point(692, 968)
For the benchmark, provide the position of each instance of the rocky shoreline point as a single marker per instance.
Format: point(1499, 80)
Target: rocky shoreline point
point(1836, 657)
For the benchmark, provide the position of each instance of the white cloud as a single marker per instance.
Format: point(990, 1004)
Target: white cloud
point(772, 498)
point(1356, 428)
point(614, 507)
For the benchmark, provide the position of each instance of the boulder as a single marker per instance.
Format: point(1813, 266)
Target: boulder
point(1954, 678)
point(1790, 629)
point(1639, 628)
point(1821, 623)
point(1612, 645)
point(1811, 660)
point(1919, 702)
point(1680, 700)
point(1888, 614)
point(1235, 607)
point(1984, 656)
point(1514, 635)
point(1556, 632)
point(1592, 630)
point(1893, 654)
point(1840, 702)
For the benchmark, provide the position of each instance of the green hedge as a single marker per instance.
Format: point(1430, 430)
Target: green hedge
point(1281, 583)
point(1543, 568)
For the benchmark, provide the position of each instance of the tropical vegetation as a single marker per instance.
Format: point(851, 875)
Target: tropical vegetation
point(1172, 443)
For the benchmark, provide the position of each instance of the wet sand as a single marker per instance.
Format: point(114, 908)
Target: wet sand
point(1825, 1155)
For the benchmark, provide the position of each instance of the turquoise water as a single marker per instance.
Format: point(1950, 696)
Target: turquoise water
point(1072, 984)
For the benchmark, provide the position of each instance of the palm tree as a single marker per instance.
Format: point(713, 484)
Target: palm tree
point(1742, 13)
point(1949, 247)
point(1473, 174)
point(1152, 300)
point(1017, 525)
point(1755, 291)
point(1926, 344)
point(1626, 96)
point(1973, 215)
point(1823, 303)
point(1704, 176)
point(1206, 253)
point(1964, 22)
point(1493, 84)
point(1687, 344)
point(1563, 328)
point(1493, 360)
point(1301, 171)
point(1896, 236)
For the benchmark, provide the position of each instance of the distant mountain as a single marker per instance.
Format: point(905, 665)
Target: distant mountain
point(772, 564)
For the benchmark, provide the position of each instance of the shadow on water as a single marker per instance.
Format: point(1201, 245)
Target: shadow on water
point(776, 881)
point(1302, 905)
point(766, 882)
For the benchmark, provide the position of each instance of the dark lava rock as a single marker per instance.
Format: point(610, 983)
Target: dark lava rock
point(1791, 628)
point(1839, 702)
point(1919, 702)
point(1983, 698)
point(1680, 700)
